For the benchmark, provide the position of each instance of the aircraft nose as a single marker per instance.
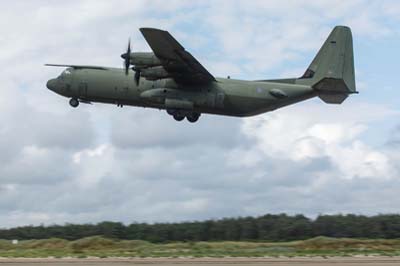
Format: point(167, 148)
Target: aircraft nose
point(51, 84)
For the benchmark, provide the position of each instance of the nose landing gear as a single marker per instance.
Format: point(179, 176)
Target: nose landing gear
point(74, 102)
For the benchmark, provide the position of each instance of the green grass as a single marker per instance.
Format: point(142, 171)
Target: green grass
point(103, 248)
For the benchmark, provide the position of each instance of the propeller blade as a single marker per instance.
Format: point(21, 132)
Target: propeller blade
point(127, 58)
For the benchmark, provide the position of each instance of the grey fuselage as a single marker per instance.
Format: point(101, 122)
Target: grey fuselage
point(223, 97)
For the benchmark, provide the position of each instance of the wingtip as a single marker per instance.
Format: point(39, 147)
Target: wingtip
point(147, 29)
point(344, 27)
point(55, 65)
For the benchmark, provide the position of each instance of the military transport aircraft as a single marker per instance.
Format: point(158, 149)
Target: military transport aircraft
point(170, 78)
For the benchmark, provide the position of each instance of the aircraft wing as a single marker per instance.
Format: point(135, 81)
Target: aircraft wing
point(182, 66)
point(79, 66)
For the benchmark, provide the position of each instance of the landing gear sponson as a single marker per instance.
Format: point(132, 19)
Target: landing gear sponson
point(178, 115)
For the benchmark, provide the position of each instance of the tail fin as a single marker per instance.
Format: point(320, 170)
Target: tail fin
point(331, 73)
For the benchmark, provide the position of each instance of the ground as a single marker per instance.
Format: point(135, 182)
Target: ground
point(376, 261)
point(108, 248)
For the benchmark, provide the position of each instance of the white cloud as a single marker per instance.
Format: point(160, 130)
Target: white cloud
point(297, 134)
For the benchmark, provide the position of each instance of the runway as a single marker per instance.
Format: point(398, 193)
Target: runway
point(207, 261)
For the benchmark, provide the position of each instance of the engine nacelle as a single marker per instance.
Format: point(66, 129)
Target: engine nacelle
point(155, 73)
point(143, 60)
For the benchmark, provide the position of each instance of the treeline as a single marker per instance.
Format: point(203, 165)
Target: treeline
point(264, 228)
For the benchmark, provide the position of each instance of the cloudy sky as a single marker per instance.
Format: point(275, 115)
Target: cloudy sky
point(95, 163)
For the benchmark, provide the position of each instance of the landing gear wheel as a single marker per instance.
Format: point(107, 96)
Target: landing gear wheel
point(193, 117)
point(74, 102)
point(178, 117)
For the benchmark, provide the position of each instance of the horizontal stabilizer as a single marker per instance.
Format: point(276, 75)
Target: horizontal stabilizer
point(333, 98)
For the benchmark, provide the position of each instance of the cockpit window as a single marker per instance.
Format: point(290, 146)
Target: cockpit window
point(67, 72)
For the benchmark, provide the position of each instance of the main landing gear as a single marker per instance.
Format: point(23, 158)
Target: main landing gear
point(193, 117)
point(180, 115)
point(74, 102)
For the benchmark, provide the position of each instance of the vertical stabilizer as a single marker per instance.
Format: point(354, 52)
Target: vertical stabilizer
point(331, 73)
